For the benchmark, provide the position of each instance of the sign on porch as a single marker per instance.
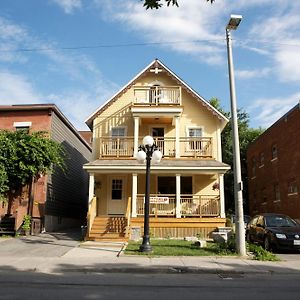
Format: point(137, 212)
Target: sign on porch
point(159, 200)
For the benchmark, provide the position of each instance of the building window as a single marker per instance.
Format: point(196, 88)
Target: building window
point(292, 188)
point(264, 196)
point(22, 126)
point(261, 159)
point(276, 192)
point(253, 167)
point(194, 134)
point(116, 189)
point(274, 151)
point(118, 141)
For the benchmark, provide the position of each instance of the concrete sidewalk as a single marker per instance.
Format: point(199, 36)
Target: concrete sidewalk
point(53, 255)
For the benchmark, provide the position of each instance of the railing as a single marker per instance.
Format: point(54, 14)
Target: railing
point(157, 95)
point(188, 147)
point(190, 205)
point(116, 146)
point(92, 213)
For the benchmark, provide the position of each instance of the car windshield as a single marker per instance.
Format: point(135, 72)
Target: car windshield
point(280, 221)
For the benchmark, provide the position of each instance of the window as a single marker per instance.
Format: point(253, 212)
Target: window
point(274, 151)
point(292, 188)
point(22, 126)
point(276, 192)
point(194, 134)
point(262, 159)
point(118, 134)
point(264, 196)
point(116, 189)
point(253, 167)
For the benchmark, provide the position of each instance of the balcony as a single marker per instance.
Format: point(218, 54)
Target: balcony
point(123, 147)
point(157, 95)
point(190, 205)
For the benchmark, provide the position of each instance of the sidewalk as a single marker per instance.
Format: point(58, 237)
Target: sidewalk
point(92, 257)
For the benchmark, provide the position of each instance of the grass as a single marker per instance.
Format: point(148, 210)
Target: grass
point(172, 247)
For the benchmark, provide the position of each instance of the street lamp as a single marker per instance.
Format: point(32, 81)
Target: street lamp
point(146, 152)
point(238, 185)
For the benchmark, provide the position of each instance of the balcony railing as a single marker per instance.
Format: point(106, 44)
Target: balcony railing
point(157, 95)
point(200, 147)
point(190, 205)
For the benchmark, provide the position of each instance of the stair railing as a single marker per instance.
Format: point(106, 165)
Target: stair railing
point(127, 215)
point(92, 213)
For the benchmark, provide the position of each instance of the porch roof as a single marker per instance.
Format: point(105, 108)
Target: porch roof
point(175, 166)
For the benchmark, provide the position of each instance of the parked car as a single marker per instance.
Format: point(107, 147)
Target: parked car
point(246, 219)
point(274, 231)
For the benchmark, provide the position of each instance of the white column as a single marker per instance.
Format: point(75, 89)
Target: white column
point(178, 215)
point(177, 136)
point(222, 197)
point(91, 186)
point(134, 194)
point(136, 135)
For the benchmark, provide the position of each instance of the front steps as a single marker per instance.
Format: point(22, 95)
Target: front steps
point(108, 228)
point(7, 225)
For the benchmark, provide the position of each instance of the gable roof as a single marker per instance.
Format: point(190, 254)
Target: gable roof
point(157, 64)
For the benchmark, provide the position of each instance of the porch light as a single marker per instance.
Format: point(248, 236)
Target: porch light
point(147, 152)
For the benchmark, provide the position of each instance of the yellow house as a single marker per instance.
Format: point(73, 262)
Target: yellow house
point(186, 187)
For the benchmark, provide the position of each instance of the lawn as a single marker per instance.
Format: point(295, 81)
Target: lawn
point(173, 247)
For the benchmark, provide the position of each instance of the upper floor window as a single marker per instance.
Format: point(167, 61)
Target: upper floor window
point(253, 167)
point(292, 188)
point(261, 159)
point(194, 133)
point(118, 134)
point(22, 126)
point(274, 151)
point(276, 192)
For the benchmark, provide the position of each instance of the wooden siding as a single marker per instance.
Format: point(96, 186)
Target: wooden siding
point(67, 191)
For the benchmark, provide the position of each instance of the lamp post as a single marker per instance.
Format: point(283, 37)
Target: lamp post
point(147, 152)
point(238, 186)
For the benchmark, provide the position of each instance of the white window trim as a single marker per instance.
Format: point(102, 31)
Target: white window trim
point(194, 127)
point(22, 124)
point(125, 131)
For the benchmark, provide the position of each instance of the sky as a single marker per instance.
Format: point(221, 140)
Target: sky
point(78, 53)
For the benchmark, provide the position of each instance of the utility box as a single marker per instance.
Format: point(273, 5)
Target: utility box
point(135, 233)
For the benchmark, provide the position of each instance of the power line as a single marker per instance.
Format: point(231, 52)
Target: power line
point(105, 46)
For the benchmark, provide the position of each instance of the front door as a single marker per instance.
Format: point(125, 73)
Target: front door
point(116, 201)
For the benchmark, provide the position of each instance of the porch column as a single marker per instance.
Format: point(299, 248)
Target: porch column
point(136, 136)
point(177, 136)
point(222, 197)
point(91, 186)
point(134, 194)
point(178, 214)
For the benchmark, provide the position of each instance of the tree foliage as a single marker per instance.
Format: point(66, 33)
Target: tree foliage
point(246, 136)
point(24, 156)
point(156, 4)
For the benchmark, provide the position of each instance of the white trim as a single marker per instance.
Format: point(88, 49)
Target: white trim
point(134, 194)
point(22, 124)
point(114, 127)
point(188, 127)
point(178, 187)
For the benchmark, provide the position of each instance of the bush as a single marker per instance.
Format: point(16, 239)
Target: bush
point(261, 254)
point(26, 222)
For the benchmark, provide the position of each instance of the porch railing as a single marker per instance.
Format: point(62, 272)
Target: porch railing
point(190, 205)
point(157, 95)
point(188, 147)
point(92, 213)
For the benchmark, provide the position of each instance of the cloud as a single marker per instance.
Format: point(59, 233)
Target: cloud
point(266, 111)
point(248, 74)
point(16, 89)
point(69, 6)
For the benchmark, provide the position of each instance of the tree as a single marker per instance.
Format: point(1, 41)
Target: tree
point(246, 136)
point(158, 3)
point(25, 156)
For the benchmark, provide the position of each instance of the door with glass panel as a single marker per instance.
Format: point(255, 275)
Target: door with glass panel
point(117, 191)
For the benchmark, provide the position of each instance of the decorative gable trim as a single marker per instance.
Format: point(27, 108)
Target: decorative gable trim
point(155, 66)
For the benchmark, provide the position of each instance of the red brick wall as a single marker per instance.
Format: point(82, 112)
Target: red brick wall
point(41, 121)
point(281, 171)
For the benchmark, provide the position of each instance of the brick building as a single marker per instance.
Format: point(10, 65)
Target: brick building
point(274, 167)
point(59, 200)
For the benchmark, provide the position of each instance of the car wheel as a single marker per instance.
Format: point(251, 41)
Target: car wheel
point(267, 244)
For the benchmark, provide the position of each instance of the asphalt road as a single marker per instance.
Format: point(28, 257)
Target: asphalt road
point(148, 286)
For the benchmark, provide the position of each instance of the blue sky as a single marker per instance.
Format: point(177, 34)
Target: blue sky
point(91, 48)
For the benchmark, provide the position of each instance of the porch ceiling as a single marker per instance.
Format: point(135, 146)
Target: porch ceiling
point(173, 166)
